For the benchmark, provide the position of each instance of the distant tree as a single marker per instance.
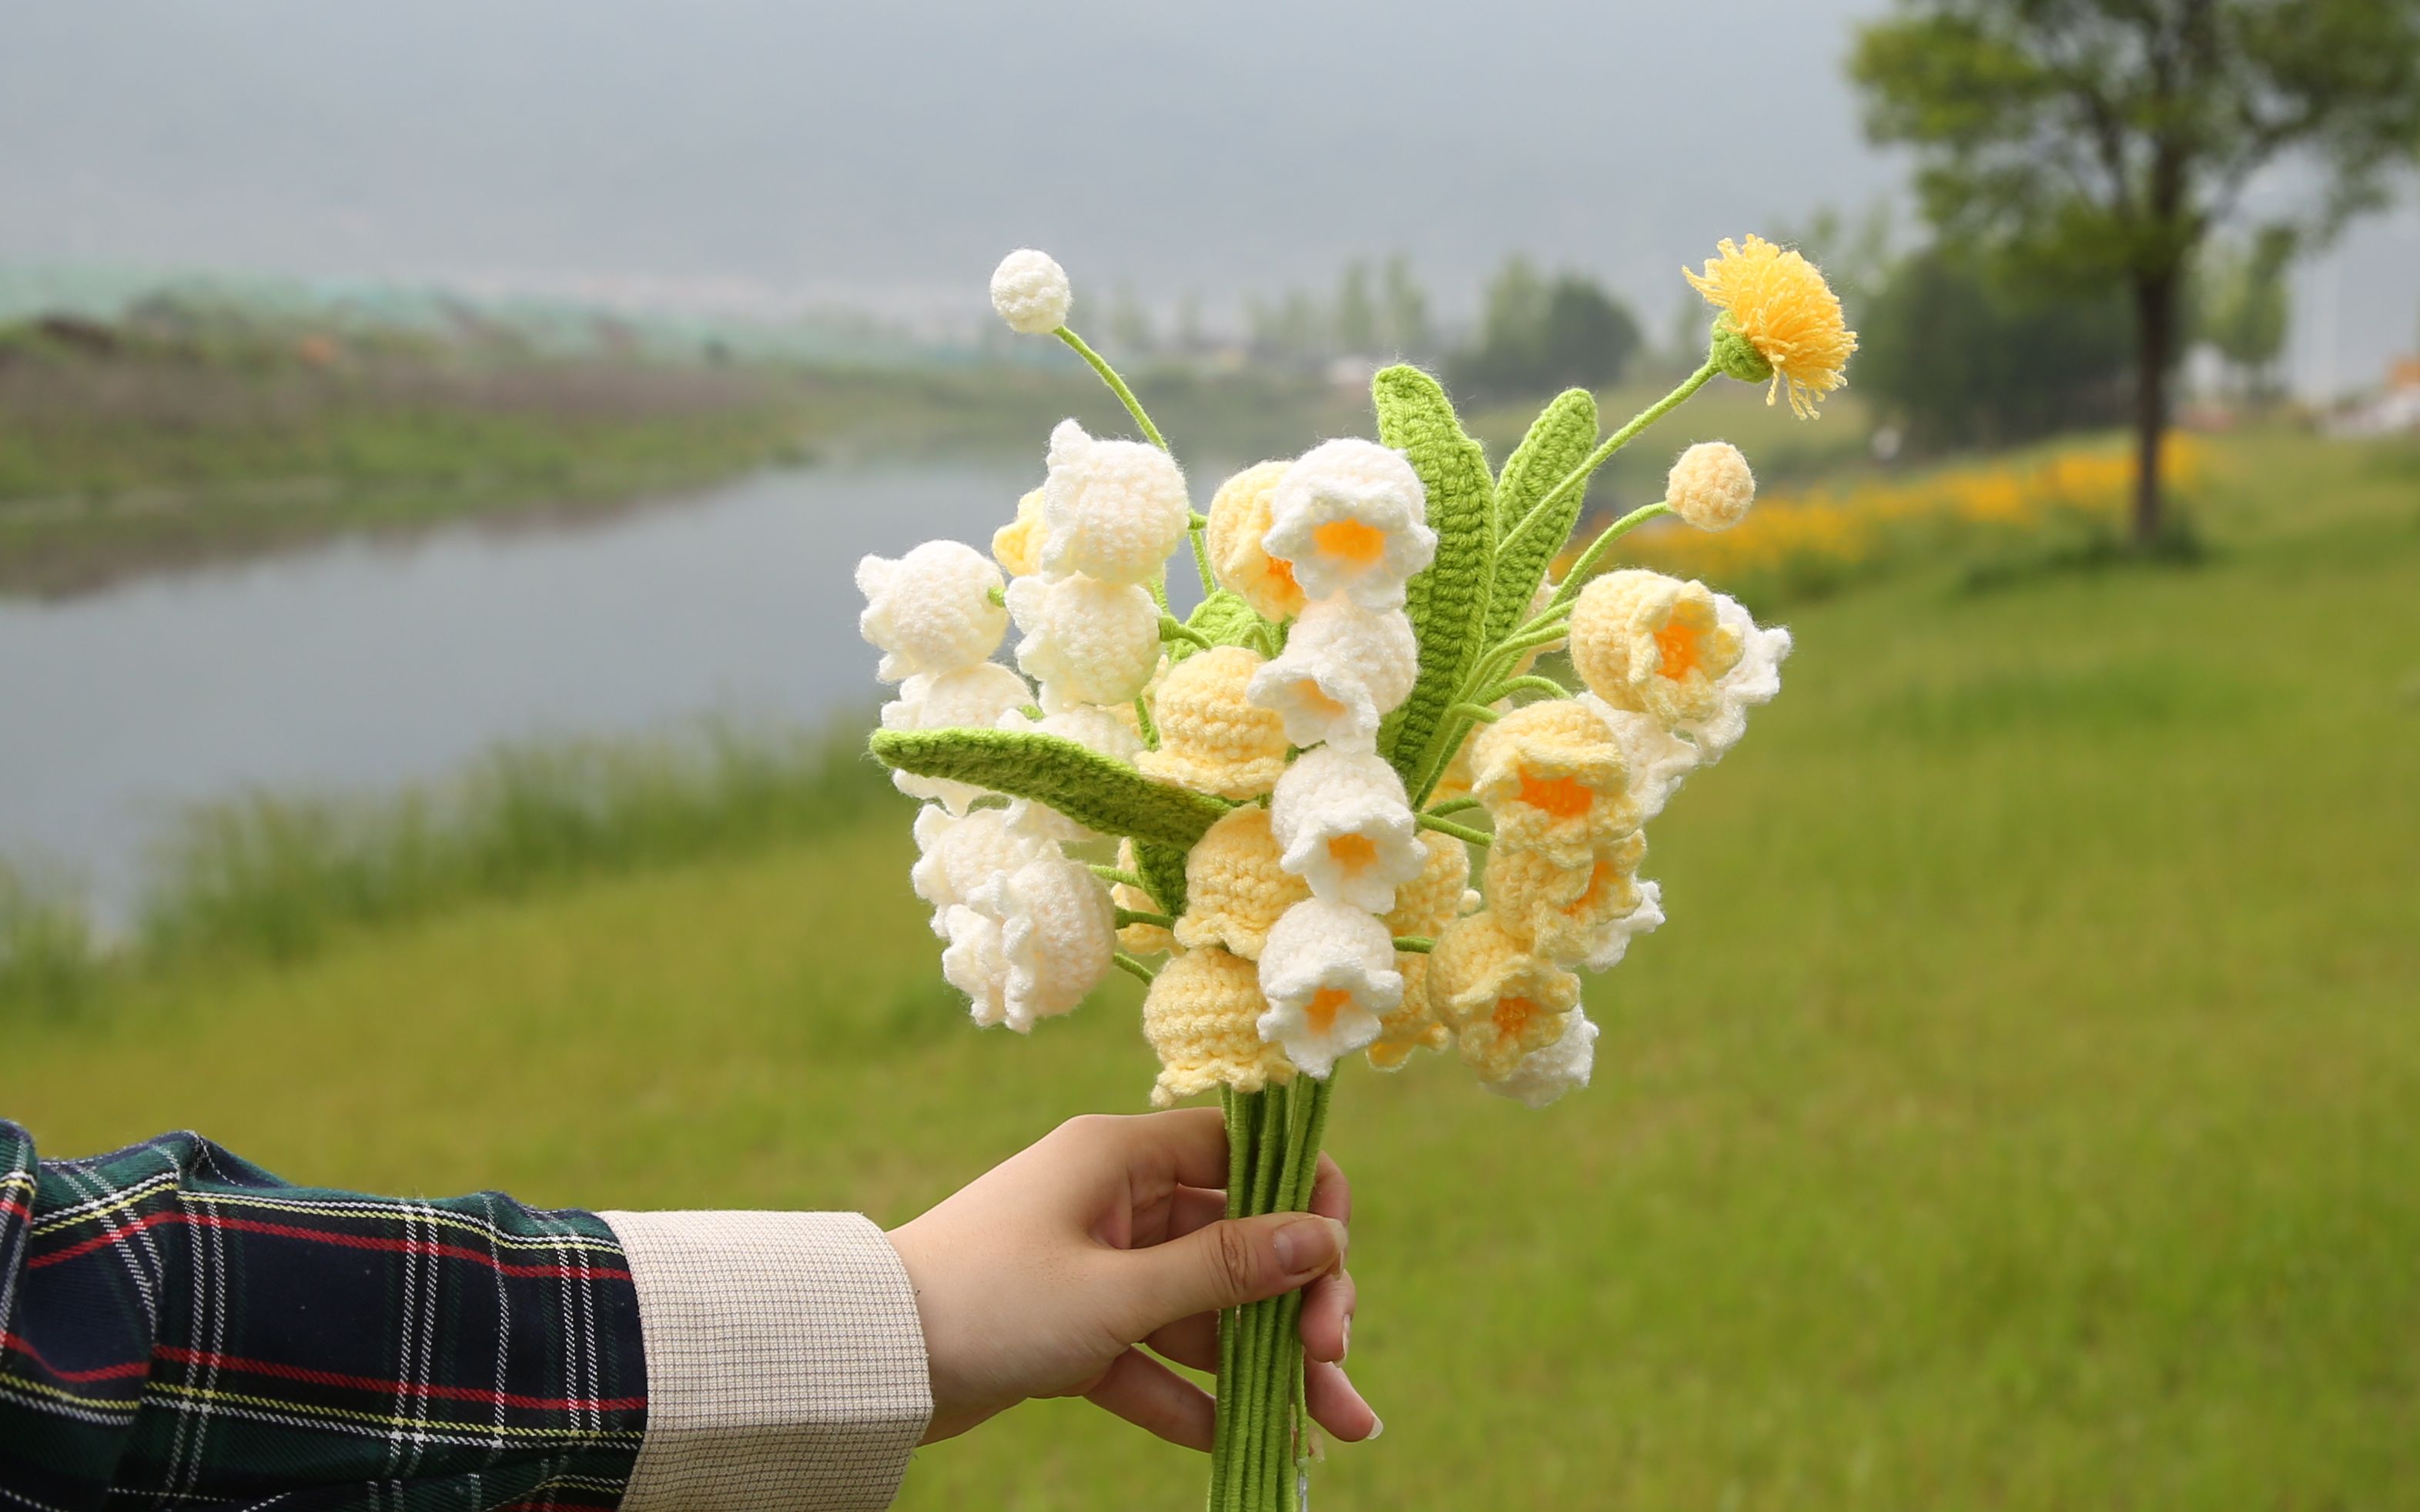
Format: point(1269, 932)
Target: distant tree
point(2095, 143)
point(1356, 314)
point(1535, 335)
point(1959, 358)
point(1407, 310)
point(2243, 307)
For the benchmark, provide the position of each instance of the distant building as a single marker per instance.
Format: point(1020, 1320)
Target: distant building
point(2395, 409)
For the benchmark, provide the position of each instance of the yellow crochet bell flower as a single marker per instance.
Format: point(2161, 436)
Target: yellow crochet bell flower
point(1138, 939)
point(1017, 546)
point(1236, 887)
point(1504, 1001)
point(1239, 518)
point(1413, 1024)
point(1654, 644)
point(1202, 1014)
point(1560, 912)
point(1428, 903)
point(1555, 779)
point(1213, 738)
point(1781, 304)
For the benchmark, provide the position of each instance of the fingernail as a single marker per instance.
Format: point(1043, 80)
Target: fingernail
point(1303, 1247)
point(1378, 1426)
point(1347, 1347)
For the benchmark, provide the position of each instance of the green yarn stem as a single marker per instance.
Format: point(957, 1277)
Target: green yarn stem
point(1117, 385)
point(1172, 628)
point(1112, 873)
point(1477, 713)
point(1414, 945)
point(1581, 570)
point(1136, 916)
point(1273, 1139)
point(1193, 533)
point(1449, 806)
point(1526, 684)
point(1133, 968)
point(1628, 433)
point(1447, 827)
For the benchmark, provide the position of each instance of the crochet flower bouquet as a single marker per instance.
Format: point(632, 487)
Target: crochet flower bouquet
point(1294, 776)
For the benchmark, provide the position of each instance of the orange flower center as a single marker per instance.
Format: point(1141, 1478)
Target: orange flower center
point(1324, 1007)
point(1565, 798)
point(1281, 574)
point(1680, 650)
point(1349, 540)
point(1352, 852)
point(1513, 1016)
point(1317, 697)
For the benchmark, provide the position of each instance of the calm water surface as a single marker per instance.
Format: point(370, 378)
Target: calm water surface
point(359, 664)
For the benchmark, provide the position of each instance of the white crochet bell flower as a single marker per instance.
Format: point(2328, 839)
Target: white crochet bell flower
point(1344, 668)
point(970, 698)
point(1541, 1076)
point(1087, 640)
point(1657, 759)
point(1057, 930)
point(1340, 820)
point(1328, 972)
point(1110, 509)
point(1612, 943)
point(956, 857)
point(930, 610)
point(1753, 681)
point(1029, 290)
point(1350, 517)
point(1096, 730)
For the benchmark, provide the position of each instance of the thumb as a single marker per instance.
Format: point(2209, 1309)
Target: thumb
point(1227, 1264)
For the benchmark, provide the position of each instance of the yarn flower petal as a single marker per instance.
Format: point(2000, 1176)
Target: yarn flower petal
point(1110, 509)
point(1202, 1016)
point(1017, 546)
point(1555, 781)
point(957, 857)
point(1213, 738)
point(1543, 1075)
point(1239, 518)
point(1351, 516)
point(1343, 668)
point(1086, 641)
point(1329, 976)
point(1236, 887)
point(1645, 641)
point(931, 610)
point(1057, 932)
point(1504, 1001)
point(1344, 827)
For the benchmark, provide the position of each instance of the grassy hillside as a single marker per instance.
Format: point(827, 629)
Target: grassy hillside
point(2019, 1110)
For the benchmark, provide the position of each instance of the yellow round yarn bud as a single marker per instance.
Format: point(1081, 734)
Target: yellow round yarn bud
point(1213, 738)
point(1138, 939)
point(1555, 779)
point(1653, 644)
point(1239, 518)
point(1235, 890)
point(1504, 1001)
point(1413, 1024)
point(1017, 546)
point(1710, 486)
point(1202, 1015)
point(1428, 903)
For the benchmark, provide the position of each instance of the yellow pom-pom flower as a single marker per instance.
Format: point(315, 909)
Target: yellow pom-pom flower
point(1213, 738)
point(1654, 644)
point(1778, 303)
point(1017, 546)
point(1556, 781)
point(1239, 517)
point(1504, 1001)
point(1202, 1014)
point(1235, 887)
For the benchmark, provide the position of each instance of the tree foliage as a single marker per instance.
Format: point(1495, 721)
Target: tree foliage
point(1535, 335)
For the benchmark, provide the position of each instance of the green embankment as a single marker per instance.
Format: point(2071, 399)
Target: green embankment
point(2020, 1109)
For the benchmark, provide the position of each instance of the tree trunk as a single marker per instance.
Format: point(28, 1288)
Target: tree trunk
point(2155, 321)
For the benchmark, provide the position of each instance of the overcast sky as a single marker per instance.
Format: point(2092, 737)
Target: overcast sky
point(887, 154)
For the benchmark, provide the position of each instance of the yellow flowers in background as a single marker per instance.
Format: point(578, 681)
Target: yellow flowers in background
point(1803, 543)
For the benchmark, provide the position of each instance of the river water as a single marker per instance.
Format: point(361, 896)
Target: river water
point(361, 663)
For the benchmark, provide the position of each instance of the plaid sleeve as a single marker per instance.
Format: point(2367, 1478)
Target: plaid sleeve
point(178, 1325)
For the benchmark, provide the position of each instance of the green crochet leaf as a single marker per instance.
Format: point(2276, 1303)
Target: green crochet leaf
point(1162, 869)
point(1448, 602)
point(1223, 619)
point(1091, 789)
point(1557, 444)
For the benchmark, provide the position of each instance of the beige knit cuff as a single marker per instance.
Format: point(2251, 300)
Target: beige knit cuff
point(786, 1364)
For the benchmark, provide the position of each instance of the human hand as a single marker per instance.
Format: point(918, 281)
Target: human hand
point(1040, 1278)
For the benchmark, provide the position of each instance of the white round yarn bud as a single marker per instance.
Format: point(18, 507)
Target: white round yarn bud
point(1029, 290)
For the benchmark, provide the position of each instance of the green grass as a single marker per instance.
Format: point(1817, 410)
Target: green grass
point(2020, 1111)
